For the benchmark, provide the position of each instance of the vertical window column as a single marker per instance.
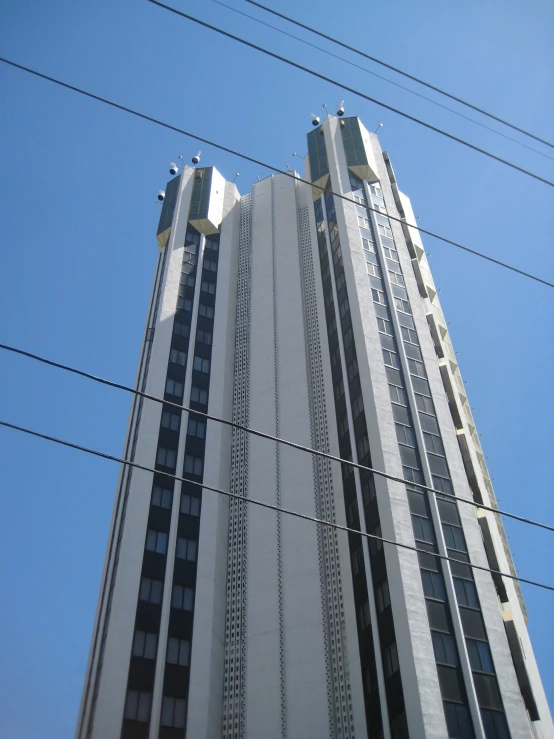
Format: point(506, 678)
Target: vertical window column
point(156, 592)
point(174, 665)
point(149, 631)
point(442, 514)
point(382, 690)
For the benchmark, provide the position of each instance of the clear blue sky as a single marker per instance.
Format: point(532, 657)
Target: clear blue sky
point(78, 220)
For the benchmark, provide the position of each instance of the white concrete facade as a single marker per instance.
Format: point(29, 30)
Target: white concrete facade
point(294, 629)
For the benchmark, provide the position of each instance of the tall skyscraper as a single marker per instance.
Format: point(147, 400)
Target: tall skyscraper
point(314, 319)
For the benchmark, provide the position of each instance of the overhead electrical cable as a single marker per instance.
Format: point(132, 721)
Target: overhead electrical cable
point(269, 437)
point(400, 71)
point(385, 79)
point(342, 86)
point(270, 506)
point(253, 160)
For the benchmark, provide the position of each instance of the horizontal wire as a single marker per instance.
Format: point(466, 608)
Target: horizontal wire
point(385, 79)
point(269, 437)
point(400, 71)
point(342, 86)
point(263, 504)
point(247, 158)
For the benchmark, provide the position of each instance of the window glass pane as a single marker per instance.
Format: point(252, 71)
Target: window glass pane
point(438, 465)
point(188, 599)
point(454, 537)
point(400, 412)
point(424, 404)
point(161, 497)
point(417, 502)
point(405, 435)
point(412, 351)
point(428, 562)
point(398, 394)
point(458, 569)
point(405, 320)
point(423, 529)
point(181, 329)
point(458, 721)
point(179, 714)
point(466, 593)
point(433, 584)
point(393, 376)
point(144, 593)
point(487, 691)
point(156, 591)
point(131, 704)
point(387, 342)
point(479, 656)
point(445, 648)
point(438, 618)
point(177, 597)
point(184, 652)
point(473, 624)
point(143, 710)
point(172, 650)
point(167, 711)
point(433, 443)
point(150, 643)
point(495, 725)
point(450, 684)
point(413, 475)
point(443, 484)
point(485, 657)
point(408, 456)
point(138, 643)
point(448, 511)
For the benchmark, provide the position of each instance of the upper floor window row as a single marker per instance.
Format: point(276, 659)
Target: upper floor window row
point(178, 357)
point(205, 337)
point(173, 387)
point(209, 265)
point(166, 457)
point(156, 541)
point(181, 329)
point(208, 287)
point(171, 420)
point(205, 310)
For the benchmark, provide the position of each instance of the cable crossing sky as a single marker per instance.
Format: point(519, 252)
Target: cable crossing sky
point(400, 71)
point(352, 90)
point(269, 437)
point(263, 504)
point(379, 76)
point(253, 160)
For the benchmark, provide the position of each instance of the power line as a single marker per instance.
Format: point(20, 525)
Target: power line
point(263, 504)
point(342, 86)
point(228, 150)
point(385, 79)
point(399, 71)
point(269, 437)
